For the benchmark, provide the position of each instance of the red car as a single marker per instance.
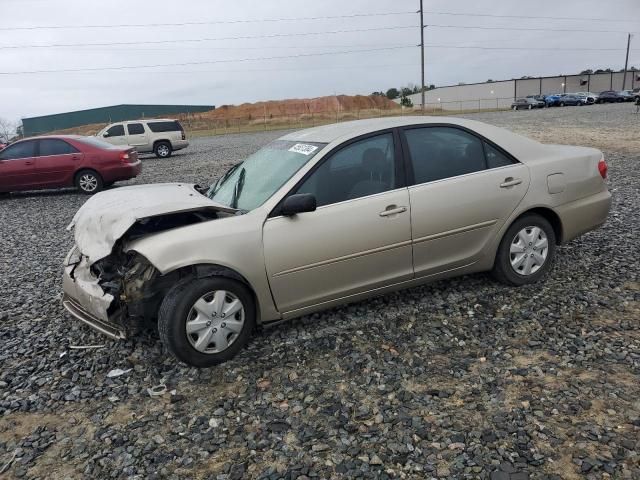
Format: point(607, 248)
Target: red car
point(65, 161)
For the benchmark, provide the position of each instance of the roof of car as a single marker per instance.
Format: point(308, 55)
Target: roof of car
point(516, 144)
point(355, 128)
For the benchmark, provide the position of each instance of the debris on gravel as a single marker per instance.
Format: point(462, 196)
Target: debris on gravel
point(463, 378)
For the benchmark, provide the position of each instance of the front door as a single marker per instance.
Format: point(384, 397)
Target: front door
point(116, 135)
point(17, 166)
point(358, 239)
point(464, 190)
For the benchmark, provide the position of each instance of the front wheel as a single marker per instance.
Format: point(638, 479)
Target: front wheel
point(526, 251)
point(207, 321)
point(529, 107)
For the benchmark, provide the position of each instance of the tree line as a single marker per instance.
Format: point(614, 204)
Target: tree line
point(403, 93)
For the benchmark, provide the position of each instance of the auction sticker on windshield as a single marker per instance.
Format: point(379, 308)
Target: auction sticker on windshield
point(303, 148)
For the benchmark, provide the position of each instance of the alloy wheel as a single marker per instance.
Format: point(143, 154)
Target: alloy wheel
point(163, 150)
point(88, 182)
point(215, 321)
point(528, 251)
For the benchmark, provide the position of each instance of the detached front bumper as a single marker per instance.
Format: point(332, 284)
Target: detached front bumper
point(85, 300)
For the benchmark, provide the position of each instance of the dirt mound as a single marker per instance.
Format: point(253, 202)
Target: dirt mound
point(280, 108)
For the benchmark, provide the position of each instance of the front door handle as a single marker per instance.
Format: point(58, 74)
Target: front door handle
point(29, 162)
point(510, 182)
point(392, 210)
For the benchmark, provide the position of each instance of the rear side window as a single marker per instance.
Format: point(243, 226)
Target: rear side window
point(116, 131)
point(52, 146)
point(135, 129)
point(19, 150)
point(495, 158)
point(443, 152)
point(170, 126)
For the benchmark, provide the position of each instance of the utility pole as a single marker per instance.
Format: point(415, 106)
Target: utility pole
point(626, 63)
point(422, 52)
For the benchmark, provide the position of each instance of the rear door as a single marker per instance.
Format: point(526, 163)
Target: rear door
point(138, 136)
point(463, 190)
point(56, 162)
point(17, 166)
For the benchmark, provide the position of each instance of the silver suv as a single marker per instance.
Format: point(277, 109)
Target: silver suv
point(160, 136)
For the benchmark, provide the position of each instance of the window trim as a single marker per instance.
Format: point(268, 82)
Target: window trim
point(56, 154)
point(36, 149)
point(410, 175)
point(399, 163)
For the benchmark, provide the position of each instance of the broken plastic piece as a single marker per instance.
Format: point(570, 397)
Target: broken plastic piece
point(157, 391)
point(116, 372)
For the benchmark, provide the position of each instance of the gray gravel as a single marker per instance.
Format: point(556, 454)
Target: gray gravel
point(463, 378)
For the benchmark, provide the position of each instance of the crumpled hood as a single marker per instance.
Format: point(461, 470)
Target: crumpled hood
point(106, 216)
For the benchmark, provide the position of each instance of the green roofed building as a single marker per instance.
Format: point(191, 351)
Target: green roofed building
point(115, 113)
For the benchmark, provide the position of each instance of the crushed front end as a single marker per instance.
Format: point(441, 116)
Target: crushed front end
point(115, 295)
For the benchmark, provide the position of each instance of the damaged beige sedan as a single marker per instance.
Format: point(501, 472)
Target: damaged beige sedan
point(323, 217)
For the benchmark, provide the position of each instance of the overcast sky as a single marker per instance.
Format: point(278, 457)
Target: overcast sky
point(228, 81)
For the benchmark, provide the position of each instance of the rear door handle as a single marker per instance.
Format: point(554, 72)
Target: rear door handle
point(510, 182)
point(392, 210)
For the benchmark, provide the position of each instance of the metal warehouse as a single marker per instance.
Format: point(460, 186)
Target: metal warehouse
point(500, 94)
point(115, 113)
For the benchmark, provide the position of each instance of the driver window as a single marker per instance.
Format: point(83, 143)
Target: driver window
point(360, 169)
point(116, 131)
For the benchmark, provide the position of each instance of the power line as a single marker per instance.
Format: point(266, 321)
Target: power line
point(192, 40)
point(216, 22)
point(587, 19)
point(210, 62)
point(552, 49)
point(533, 29)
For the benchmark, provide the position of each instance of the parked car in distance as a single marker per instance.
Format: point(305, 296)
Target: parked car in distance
point(552, 100)
point(590, 96)
point(526, 103)
point(610, 96)
point(160, 136)
point(570, 99)
point(65, 161)
point(627, 95)
point(2, 145)
point(322, 217)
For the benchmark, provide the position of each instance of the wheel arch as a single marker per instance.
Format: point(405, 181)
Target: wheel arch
point(206, 270)
point(548, 214)
point(162, 140)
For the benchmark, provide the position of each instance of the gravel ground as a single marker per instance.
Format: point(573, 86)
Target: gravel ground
point(463, 378)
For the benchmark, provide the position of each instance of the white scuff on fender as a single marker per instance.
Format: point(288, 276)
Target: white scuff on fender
point(106, 216)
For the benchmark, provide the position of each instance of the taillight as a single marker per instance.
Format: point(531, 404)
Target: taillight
point(602, 168)
point(128, 157)
point(184, 135)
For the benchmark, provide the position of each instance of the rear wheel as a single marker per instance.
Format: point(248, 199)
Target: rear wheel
point(526, 251)
point(529, 107)
point(207, 321)
point(162, 149)
point(89, 182)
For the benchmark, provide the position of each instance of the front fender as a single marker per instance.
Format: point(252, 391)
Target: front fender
point(234, 243)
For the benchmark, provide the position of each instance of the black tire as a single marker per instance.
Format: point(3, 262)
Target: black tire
point(562, 104)
point(529, 107)
point(88, 181)
point(502, 269)
point(108, 184)
point(176, 307)
point(162, 149)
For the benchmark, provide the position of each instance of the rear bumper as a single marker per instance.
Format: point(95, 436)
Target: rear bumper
point(86, 301)
point(180, 144)
point(123, 171)
point(584, 215)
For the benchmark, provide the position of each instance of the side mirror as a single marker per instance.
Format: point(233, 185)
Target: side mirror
point(299, 203)
point(105, 134)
